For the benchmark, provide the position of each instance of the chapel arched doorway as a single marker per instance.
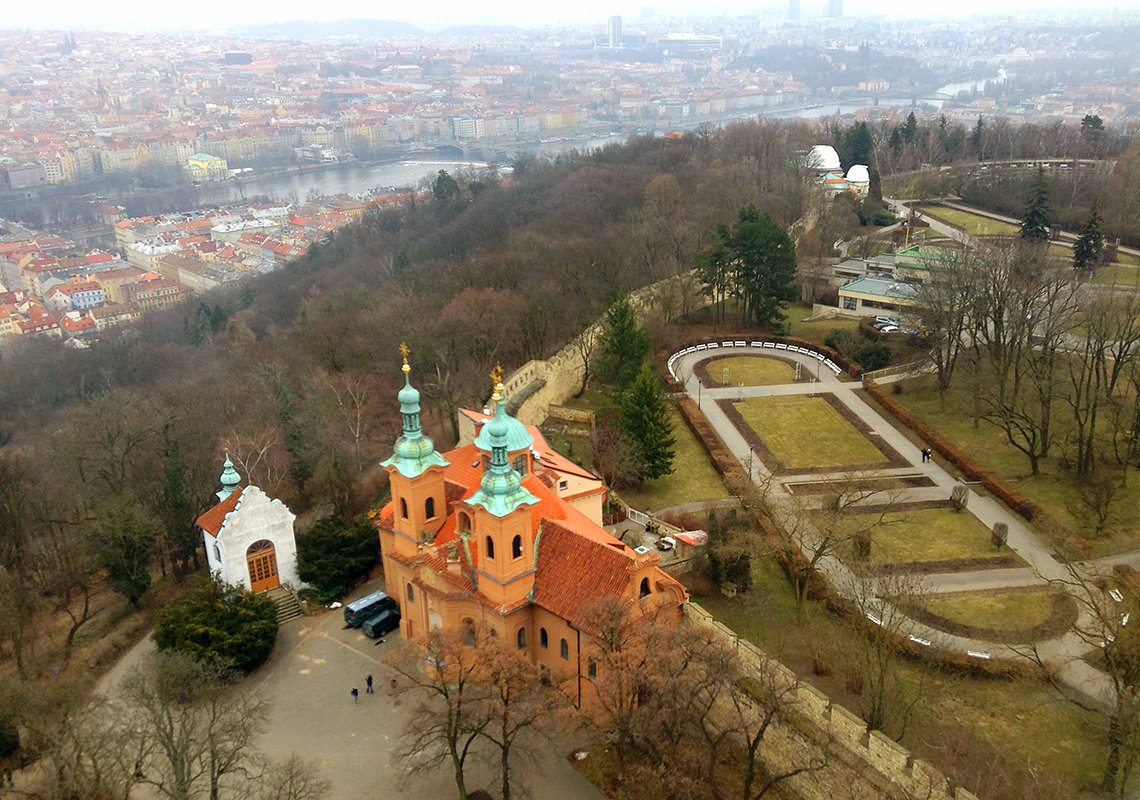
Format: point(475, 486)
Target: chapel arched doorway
point(261, 558)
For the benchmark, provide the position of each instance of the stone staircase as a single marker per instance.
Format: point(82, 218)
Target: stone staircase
point(288, 607)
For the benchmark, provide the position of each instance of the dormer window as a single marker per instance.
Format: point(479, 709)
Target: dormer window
point(562, 486)
point(462, 522)
point(429, 508)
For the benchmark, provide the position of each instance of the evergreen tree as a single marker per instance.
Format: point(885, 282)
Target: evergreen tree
point(858, 144)
point(335, 554)
point(125, 536)
point(976, 139)
point(764, 261)
point(1089, 246)
point(1037, 222)
point(624, 345)
point(910, 129)
point(645, 420)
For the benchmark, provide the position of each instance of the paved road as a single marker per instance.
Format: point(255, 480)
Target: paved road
point(1064, 653)
point(307, 682)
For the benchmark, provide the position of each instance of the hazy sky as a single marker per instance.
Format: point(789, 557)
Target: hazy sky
point(214, 14)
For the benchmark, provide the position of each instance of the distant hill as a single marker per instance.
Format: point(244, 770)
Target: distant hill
point(362, 28)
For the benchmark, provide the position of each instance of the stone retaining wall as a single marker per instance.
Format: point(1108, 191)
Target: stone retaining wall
point(863, 764)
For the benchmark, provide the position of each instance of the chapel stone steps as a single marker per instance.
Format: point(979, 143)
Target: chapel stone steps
point(288, 607)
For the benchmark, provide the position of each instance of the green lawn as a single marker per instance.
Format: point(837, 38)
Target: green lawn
point(973, 224)
point(814, 331)
point(751, 371)
point(1022, 718)
point(693, 477)
point(1010, 611)
point(930, 534)
point(1053, 490)
point(1117, 274)
point(807, 432)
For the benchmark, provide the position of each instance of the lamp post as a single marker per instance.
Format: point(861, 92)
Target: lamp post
point(751, 447)
point(698, 392)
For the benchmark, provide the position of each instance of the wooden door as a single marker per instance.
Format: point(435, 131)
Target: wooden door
point(261, 559)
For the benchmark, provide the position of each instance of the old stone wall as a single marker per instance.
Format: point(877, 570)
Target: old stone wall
point(861, 764)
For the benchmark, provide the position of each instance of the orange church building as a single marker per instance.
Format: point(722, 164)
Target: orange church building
point(504, 534)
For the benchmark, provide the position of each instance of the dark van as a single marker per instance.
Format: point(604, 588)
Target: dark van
point(368, 606)
point(380, 624)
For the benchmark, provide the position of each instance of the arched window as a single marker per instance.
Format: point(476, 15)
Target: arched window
point(591, 668)
point(429, 508)
point(403, 508)
point(564, 650)
point(521, 637)
point(469, 632)
point(411, 594)
point(516, 547)
point(645, 587)
point(543, 641)
point(519, 464)
point(490, 547)
point(463, 522)
point(217, 553)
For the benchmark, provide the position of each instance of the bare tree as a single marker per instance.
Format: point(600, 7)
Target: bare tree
point(585, 345)
point(291, 779)
point(201, 730)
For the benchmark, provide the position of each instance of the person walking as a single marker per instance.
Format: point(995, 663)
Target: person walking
point(368, 685)
point(355, 694)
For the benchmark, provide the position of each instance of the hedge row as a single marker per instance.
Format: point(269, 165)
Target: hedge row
point(997, 485)
point(791, 558)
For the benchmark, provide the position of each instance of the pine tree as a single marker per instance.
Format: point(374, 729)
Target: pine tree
point(910, 129)
point(1037, 222)
point(624, 345)
point(1089, 246)
point(764, 262)
point(645, 420)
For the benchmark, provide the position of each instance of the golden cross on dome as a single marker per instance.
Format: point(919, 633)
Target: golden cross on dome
point(497, 375)
point(404, 352)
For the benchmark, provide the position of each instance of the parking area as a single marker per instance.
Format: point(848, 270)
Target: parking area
point(307, 685)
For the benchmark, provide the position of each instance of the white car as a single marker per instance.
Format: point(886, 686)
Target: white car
point(666, 543)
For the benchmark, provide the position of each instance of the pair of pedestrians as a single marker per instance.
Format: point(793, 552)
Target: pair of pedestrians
point(367, 689)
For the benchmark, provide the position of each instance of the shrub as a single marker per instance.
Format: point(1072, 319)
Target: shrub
point(9, 736)
point(335, 554)
point(219, 623)
point(1001, 534)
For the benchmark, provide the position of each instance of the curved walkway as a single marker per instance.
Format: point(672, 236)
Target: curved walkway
point(1065, 653)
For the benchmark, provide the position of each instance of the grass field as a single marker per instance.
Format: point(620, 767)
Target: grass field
point(1053, 490)
point(1010, 611)
point(814, 331)
point(693, 477)
point(1117, 274)
point(807, 432)
point(751, 371)
point(973, 224)
point(1061, 741)
point(930, 534)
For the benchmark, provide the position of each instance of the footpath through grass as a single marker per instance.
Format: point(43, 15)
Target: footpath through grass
point(973, 728)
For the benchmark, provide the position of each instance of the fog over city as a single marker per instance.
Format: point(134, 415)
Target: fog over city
point(136, 15)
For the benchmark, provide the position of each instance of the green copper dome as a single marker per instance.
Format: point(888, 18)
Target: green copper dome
point(230, 478)
point(414, 452)
point(501, 490)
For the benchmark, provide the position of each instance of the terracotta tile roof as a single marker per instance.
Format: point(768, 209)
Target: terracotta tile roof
point(573, 571)
point(211, 521)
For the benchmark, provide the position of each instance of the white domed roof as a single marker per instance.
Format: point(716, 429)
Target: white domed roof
point(823, 156)
point(858, 174)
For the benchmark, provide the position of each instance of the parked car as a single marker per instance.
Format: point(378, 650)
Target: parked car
point(356, 612)
point(378, 625)
point(885, 321)
point(889, 329)
point(666, 543)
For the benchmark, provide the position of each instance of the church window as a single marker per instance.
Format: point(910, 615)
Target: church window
point(519, 464)
point(490, 548)
point(562, 486)
point(645, 587)
point(429, 508)
point(217, 553)
point(591, 668)
point(521, 637)
point(564, 650)
point(543, 640)
point(411, 594)
point(463, 522)
point(403, 508)
point(516, 547)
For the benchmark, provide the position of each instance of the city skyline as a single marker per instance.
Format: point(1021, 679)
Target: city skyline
point(134, 15)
